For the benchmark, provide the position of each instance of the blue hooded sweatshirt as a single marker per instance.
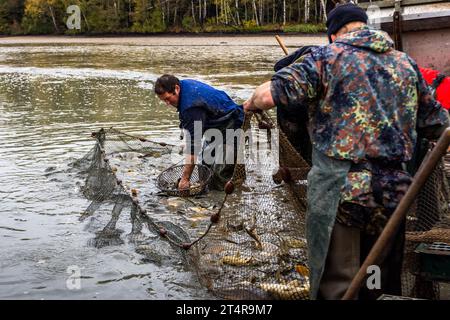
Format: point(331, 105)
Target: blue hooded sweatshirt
point(212, 107)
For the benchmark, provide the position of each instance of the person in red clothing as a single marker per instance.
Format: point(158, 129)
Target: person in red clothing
point(440, 84)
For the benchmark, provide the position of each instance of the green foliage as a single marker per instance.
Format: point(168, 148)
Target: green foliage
point(4, 23)
point(11, 12)
point(36, 20)
point(155, 22)
point(43, 16)
point(153, 16)
point(188, 24)
point(215, 28)
point(148, 21)
point(250, 25)
point(103, 20)
point(305, 28)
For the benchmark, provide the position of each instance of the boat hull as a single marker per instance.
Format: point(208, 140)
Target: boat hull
point(429, 48)
point(424, 29)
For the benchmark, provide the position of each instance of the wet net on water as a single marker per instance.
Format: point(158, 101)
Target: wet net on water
point(248, 242)
point(119, 180)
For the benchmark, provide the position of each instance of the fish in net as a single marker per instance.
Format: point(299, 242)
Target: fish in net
point(253, 238)
point(257, 249)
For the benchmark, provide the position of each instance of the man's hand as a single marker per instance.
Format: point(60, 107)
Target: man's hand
point(183, 184)
point(249, 105)
point(261, 99)
point(189, 166)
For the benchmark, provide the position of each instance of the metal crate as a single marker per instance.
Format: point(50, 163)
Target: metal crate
point(434, 261)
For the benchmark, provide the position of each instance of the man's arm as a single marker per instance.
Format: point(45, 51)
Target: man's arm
point(432, 118)
point(193, 143)
point(261, 100)
point(189, 166)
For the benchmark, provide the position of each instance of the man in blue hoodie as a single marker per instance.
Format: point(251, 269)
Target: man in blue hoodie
point(366, 102)
point(200, 108)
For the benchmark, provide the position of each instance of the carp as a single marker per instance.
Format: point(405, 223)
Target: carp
point(236, 260)
point(292, 290)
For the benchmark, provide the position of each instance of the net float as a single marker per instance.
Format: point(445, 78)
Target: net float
point(215, 218)
point(264, 125)
point(186, 246)
point(285, 174)
point(229, 187)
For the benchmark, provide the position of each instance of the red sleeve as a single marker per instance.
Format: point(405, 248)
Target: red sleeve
point(443, 93)
point(428, 74)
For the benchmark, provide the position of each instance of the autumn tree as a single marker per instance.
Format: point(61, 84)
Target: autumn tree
point(147, 16)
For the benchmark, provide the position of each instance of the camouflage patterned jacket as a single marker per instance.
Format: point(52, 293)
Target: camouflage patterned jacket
point(366, 101)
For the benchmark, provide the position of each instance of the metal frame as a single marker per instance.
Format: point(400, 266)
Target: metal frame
point(397, 26)
point(426, 168)
point(416, 15)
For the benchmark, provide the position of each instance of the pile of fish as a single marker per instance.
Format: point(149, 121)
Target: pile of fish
point(257, 250)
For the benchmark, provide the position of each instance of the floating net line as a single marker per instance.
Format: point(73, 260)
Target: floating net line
point(246, 243)
point(118, 162)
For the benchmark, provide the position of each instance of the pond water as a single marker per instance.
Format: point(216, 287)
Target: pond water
point(52, 96)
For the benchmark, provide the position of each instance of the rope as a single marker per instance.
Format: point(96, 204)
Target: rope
point(263, 120)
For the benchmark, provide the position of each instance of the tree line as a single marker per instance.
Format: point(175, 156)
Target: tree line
point(152, 16)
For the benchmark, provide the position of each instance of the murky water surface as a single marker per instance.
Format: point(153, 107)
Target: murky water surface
point(52, 96)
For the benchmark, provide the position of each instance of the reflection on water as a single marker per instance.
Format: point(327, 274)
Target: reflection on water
point(51, 98)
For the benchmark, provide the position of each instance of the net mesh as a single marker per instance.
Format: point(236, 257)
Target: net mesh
point(258, 248)
point(428, 222)
point(117, 171)
point(246, 243)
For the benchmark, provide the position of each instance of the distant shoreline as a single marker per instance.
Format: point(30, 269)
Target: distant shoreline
point(171, 34)
point(293, 29)
point(208, 39)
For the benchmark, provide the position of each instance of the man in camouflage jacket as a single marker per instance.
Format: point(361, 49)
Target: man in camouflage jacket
point(366, 102)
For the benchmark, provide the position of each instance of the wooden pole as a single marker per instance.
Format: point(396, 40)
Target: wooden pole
point(425, 170)
point(280, 42)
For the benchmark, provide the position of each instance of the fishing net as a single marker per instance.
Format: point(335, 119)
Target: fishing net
point(427, 223)
point(120, 178)
point(249, 241)
point(246, 243)
point(257, 250)
point(168, 181)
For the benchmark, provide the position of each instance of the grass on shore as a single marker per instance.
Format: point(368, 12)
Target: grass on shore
point(252, 28)
point(305, 28)
point(248, 27)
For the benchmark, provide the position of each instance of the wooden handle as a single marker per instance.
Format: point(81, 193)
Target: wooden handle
point(280, 42)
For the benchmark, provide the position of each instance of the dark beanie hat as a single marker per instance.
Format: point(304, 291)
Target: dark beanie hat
point(343, 14)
